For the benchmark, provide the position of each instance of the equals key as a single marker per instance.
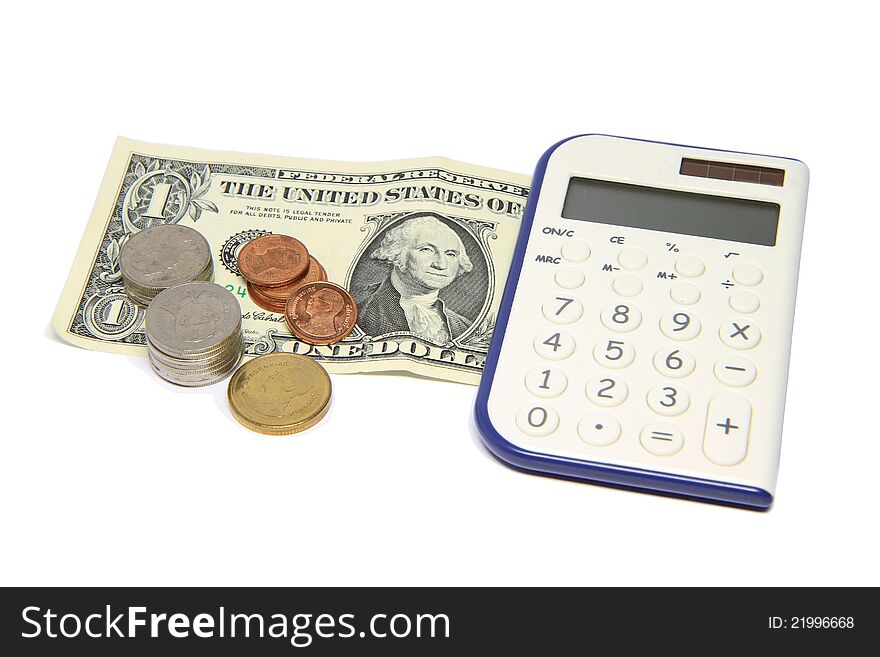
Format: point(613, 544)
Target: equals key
point(662, 439)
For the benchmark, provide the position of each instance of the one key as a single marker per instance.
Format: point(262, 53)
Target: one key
point(546, 381)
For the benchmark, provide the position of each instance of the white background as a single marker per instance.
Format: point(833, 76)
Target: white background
point(108, 476)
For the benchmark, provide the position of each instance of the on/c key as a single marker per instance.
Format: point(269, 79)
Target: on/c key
point(726, 439)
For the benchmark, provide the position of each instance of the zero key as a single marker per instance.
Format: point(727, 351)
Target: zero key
point(726, 439)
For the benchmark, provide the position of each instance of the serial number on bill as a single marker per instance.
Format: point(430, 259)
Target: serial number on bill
point(811, 623)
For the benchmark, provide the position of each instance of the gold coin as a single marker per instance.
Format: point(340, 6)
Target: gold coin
point(279, 394)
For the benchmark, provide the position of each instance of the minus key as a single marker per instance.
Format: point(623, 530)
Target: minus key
point(735, 371)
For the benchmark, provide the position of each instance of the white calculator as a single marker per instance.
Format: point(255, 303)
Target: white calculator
point(644, 335)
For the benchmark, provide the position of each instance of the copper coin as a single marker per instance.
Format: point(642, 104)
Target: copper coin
point(267, 303)
point(321, 312)
point(282, 293)
point(272, 260)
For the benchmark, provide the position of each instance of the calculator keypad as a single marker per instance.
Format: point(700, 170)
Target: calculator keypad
point(569, 318)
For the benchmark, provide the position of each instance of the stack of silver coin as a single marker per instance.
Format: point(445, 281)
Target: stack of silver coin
point(161, 257)
point(194, 333)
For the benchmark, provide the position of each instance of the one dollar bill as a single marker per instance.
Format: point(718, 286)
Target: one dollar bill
point(424, 246)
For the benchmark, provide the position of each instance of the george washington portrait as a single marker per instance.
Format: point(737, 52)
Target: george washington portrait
point(422, 267)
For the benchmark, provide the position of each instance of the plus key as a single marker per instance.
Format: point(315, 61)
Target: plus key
point(727, 426)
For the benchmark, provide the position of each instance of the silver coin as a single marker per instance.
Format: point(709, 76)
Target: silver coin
point(213, 364)
point(170, 373)
point(197, 381)
point(163, 256)
point(189, 364)
point(143, 297)
point(190, 367)
point(193, 333)
point(193, 319)
point(195, 356)
point(204, 275)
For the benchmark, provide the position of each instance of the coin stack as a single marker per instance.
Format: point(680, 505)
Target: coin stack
point(160, 257)
point(273, 265)
point(194, 333)
point(279, 394)
point(275, 298)
point(282, 277)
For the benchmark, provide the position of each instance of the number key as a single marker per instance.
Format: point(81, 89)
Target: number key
point(615, 354)
point(668, 400)
point(562, 309)
point(554, 345)
point(621, 317)
point(680, 325)
point(537, 420)
point(607, 390)
point(546, 381)
point(674, 363)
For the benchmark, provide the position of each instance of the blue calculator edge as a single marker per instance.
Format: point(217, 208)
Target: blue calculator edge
point(637, 479)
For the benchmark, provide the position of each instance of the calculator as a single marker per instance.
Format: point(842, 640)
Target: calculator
point(644, 334)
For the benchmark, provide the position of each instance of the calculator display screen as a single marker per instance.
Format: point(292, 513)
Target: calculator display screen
point(670, 211)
